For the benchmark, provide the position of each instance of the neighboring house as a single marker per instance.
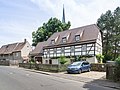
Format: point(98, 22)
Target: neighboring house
point(37, 53)
point(82, 41)
point(16, 51)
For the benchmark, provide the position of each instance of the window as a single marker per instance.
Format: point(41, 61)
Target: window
point(64, 40)
point(52, 42)
point(77, 38)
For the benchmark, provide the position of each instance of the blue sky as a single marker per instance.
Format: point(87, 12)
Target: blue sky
point(19, 18)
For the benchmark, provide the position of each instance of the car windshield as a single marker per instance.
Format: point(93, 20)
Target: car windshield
point(76, 63)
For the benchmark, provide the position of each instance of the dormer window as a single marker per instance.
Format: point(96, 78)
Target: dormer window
point(77, 38)
point(52, 42)
point(64, 39)
point(78, 35)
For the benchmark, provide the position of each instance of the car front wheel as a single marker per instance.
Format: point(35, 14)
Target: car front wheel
point(89, 70)
point(79, 71)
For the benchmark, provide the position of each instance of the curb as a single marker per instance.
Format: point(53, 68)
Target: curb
point(38, 72)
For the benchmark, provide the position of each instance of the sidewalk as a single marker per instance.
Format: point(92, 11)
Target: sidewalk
point(97, 81)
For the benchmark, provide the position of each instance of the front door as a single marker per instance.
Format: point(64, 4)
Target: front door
point(50, 61)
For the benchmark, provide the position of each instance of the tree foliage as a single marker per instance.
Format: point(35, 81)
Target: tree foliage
point(109, 23)
point(47, 29)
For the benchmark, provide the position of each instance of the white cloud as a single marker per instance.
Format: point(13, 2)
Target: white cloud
point(78, 12)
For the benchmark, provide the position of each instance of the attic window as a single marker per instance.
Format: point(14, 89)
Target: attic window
point(77, 38)
point(64, 39)
point(79, 35)
point(52, 42)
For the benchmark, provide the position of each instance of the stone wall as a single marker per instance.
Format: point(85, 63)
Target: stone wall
point(44, 67)
point(4, 63)
point(113, 71)
point(98, 67)
point(110, 72)
point(59, 68)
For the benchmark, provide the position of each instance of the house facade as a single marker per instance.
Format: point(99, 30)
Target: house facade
point(37, 53)
point(83, 41)
point(16, 51)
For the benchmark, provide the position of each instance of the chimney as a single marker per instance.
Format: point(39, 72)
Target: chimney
point(25, 40)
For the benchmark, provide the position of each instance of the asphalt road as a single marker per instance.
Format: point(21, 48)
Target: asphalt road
point(19, 79)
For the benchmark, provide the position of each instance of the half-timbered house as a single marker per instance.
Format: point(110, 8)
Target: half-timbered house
point(83, 41)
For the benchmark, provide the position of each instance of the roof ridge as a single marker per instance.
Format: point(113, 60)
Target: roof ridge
point(75, 28)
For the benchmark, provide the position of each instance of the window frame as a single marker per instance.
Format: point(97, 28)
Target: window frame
point(77, 38)
point(64, 39)
point(53, 42)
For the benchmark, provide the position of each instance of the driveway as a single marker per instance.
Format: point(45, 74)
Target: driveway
point(91, 75)
point(83, 77)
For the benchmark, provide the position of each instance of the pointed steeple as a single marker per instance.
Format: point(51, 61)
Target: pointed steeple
point(63, 17)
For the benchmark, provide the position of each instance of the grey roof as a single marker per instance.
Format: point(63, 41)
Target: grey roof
point(89, 33)
point(38, 49)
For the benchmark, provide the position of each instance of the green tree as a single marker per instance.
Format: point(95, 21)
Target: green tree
point(109, 23)
point(47, 29)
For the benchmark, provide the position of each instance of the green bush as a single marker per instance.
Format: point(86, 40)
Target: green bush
point(107, 58)
point(62, 60)
point(117, 69)
point(118, 61)
point(32, 61)
point(100, 58)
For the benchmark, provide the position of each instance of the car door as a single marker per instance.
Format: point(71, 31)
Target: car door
point(87, 66)
point(83, 66)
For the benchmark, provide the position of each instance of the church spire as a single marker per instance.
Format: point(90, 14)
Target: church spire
point(63, 17)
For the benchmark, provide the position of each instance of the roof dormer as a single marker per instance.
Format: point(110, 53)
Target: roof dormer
point(78, 35)
point(65, 37)
point(54, 40)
